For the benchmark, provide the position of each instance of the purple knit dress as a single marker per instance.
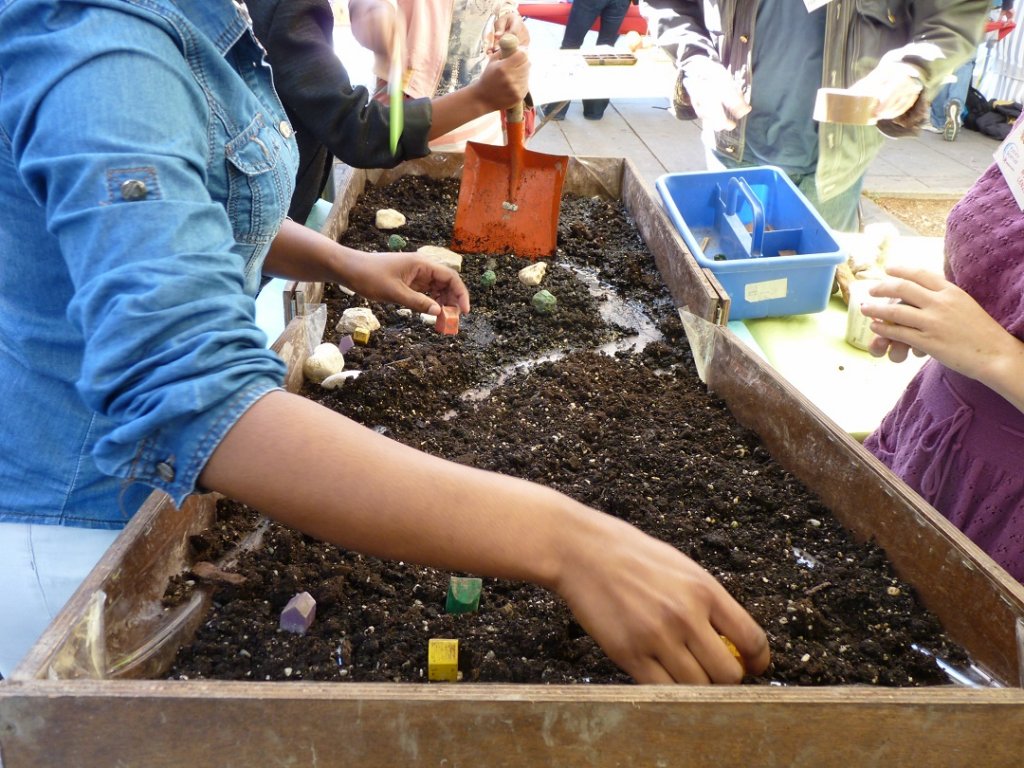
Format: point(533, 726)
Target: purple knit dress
point(953, 440)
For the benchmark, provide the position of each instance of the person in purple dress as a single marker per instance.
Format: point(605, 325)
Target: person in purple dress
point(956, 436)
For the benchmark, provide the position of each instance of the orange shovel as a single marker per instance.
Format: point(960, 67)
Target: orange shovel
point(509, 197)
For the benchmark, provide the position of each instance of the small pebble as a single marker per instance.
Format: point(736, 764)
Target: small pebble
point(389, 218)
point(324, 361)
point(533, 274)
point(396, 242)
point(488, 278)
point(357, 317)
point(336, 380)
point(544, 302)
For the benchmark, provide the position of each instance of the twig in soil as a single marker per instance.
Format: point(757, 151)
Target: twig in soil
point(817, 588)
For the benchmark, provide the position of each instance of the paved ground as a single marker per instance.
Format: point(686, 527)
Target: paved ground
point(644, 131)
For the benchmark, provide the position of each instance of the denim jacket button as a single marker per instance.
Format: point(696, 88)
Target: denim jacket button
point(134, 189)
point(285, 129)
point(165, 471)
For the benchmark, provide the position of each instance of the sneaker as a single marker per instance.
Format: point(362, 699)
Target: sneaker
point(931, 128)
point(952, 127)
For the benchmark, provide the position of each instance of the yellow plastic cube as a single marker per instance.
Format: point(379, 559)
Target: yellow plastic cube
point(443, 660)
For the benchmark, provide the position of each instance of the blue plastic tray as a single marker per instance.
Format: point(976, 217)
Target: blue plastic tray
point(738, 222)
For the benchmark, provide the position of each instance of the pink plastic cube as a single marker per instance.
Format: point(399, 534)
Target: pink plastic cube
point(448, 321)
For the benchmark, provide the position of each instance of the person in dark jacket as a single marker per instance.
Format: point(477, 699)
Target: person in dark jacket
point(755, 90)
point(582, 16)
point(335, 119)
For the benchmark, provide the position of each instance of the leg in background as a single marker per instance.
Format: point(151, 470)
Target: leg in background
point(948, 93)
point(612, 16)
point(582, 16)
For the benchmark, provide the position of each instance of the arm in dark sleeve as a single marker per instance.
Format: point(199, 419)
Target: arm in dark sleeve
point(318, 94)
point(954, 29)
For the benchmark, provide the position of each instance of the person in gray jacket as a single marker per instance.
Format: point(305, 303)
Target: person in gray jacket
point(755, 92)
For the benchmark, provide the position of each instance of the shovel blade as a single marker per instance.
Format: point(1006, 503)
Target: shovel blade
point(509, 201)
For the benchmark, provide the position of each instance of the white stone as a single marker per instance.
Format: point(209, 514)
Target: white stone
point(533, 274)
point(357, 317)
point(336, 380)
point(325, 360)
point(403, 312)
point(389, 218)
point(428, 319)
point(442, 255)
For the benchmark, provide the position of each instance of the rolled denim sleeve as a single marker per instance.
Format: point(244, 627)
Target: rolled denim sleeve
point(171, 354)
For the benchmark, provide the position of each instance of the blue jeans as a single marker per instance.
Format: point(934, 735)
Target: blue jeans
point(950, 91)
point(581, 18)
point(41, 568)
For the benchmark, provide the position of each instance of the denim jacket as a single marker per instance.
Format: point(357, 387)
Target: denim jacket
point(145, 166)
point(936, 36)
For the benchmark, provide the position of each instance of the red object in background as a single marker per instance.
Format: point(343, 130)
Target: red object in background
point(559, 14)
point(1002, 27)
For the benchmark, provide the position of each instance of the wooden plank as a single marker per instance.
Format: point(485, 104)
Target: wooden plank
point(977, 602)
point(249, 724)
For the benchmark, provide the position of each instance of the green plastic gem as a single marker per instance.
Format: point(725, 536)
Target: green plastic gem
point(463, 594)
point(544, 302)
point(488, 278)
point(396, 242)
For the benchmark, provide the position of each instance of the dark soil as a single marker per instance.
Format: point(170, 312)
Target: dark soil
point(630, 430)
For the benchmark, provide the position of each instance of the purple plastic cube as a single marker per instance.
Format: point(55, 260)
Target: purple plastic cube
point(346, 343)
point(298, 615)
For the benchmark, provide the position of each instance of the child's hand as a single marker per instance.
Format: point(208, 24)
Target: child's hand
point(410, 279)
point(373, 25)
point(654, 611)
point(509, 22)
point(504, 82)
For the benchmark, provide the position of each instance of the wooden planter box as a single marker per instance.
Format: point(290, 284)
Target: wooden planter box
point(90, 694)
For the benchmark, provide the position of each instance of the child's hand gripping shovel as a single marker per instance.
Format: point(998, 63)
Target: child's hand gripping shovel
point(510, 197)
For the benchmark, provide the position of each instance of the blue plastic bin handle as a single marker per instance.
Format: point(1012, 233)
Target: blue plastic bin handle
point(738, 186)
